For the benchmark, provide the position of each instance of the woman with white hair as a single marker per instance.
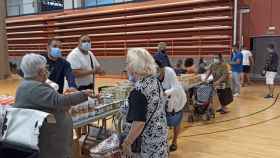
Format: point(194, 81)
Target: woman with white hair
point(55, 140)
point(146, 118)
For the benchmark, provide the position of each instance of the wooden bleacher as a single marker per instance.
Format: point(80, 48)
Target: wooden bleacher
point(195, 27)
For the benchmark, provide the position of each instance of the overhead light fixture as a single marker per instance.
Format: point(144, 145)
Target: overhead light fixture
point(272, 28)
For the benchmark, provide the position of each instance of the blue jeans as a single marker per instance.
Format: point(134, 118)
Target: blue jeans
point(236, 82)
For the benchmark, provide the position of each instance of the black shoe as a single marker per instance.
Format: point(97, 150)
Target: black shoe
point(268, 96)
point(220, 110)
point(173, 147)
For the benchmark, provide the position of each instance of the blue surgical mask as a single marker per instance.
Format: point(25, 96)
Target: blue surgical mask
point(55, 52)
point(86, 46)
point(131, 78)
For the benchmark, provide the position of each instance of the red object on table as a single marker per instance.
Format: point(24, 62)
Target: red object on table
point(7, 100)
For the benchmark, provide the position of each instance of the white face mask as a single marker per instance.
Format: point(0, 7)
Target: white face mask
point(216, 61)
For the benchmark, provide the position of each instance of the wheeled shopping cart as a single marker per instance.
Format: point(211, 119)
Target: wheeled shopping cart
point(202, 107)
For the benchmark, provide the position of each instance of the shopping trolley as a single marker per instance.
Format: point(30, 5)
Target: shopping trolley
point(202, 107)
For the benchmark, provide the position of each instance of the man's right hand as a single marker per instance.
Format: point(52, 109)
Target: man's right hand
point(70, 90)
point(88, 92)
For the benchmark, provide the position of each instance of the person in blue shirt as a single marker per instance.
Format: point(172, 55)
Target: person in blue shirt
point(162, 54)
point(236, 68)
point(58, 67)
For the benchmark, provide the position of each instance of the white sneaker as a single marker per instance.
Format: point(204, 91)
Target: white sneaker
point(236, 95)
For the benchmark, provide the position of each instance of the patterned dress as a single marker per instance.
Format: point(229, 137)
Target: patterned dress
point(154, 137)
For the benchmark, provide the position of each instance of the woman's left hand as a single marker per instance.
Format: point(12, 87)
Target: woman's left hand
point(216, 84)
point(126, 148)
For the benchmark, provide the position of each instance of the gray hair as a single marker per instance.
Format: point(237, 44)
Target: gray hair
point(31, 63)
point(141, 62)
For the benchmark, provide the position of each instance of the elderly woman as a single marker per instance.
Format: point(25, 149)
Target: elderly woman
point(221, 82)
point(176, 99)
point(55, 140)
point(146, 116)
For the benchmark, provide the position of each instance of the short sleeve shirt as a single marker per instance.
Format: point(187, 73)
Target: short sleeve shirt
point(272, 62)
point(237, 67)
point(163, 57)
point(60, 69)
point(246, 57)
point(218, 70)
point(137, 107)
point(78, 60)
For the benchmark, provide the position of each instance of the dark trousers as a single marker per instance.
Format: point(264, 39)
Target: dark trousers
point(90, 86)
point(14, 151)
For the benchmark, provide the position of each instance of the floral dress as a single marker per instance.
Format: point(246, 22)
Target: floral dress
point(154, 137)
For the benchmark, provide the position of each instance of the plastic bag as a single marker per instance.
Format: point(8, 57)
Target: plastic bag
point(111, 144)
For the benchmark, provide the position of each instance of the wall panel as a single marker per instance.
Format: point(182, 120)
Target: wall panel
point(193, 27)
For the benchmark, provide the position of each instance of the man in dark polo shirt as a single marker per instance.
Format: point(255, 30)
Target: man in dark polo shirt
point(162, 54)
point(58, 67)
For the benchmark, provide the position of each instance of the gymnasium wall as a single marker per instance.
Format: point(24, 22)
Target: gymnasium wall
point(189, 27)
point(263, 14)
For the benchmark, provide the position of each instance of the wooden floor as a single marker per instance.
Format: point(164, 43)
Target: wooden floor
point(250, 130)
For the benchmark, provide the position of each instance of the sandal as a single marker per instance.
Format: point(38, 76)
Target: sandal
point(224, 112)
point(173, 147)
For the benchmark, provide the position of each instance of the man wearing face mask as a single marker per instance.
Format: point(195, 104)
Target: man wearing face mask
point(59, 68)
point(84, 64)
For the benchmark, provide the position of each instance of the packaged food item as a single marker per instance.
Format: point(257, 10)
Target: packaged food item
point(108, 145)
point(92, 103)
point(80, 111)
point(189, 79)
point(75, 114)
point(84, 110)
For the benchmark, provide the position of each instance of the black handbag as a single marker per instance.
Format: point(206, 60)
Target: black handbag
point(136, 145)
point(225, 96)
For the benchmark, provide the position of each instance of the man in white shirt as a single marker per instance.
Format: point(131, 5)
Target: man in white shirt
point(84, 64)
point(247, 64)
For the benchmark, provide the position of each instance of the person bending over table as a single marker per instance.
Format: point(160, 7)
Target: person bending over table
point(190, 66)
point(221, 81)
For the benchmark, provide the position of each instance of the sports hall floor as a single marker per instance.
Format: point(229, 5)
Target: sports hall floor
point(250, 130)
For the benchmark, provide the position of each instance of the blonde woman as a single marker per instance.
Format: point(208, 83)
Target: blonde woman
point(146, 116)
